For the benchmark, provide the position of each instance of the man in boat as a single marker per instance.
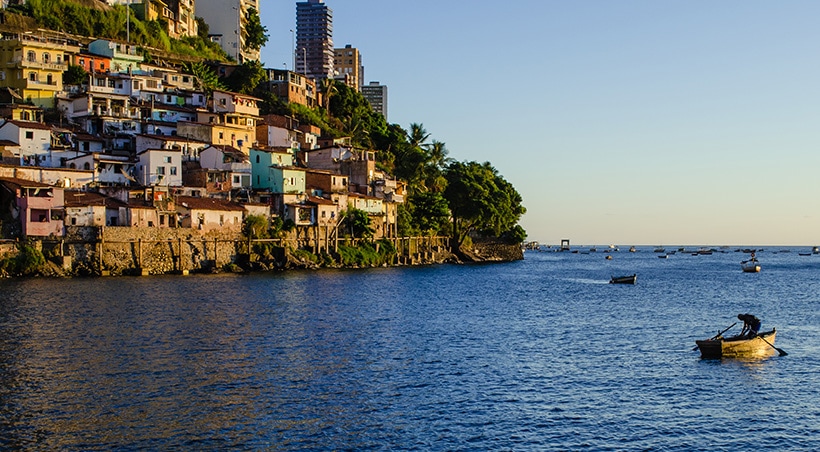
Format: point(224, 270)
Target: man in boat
point(751, 324)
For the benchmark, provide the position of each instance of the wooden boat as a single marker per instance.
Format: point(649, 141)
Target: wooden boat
point(624, 279)
point(750, 266)
point(739, 346)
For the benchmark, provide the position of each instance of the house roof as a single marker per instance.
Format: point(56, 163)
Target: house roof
point(23, 183)
point(26, 124)
point(230, 150)
point(8, 143)
point(194, 203)
point(75, 198)
point(320, 201)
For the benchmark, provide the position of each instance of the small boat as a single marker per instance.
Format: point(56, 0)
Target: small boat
point(608, 257)
point(750, 266)
point(804, 254)
point(660, 249)
point(624, 279)
point(758, 346)
point(663, 256)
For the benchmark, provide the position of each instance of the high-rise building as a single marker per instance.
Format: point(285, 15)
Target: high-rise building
point(227, 20)
point(376, 95)
point(348, 65)
point(314, 39)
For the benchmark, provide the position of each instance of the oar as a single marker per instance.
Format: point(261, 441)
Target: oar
point(779, 350)
point(719, 334)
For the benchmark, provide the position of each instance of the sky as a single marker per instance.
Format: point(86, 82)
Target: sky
point(619, 122)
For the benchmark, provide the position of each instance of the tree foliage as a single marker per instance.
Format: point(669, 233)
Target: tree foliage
point(75, 75)
point(109, 23)
point(245, 77)
point(256, 34)
point(481, 201)
point(357, 224)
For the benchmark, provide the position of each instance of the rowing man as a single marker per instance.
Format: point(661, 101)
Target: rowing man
point(751, 324)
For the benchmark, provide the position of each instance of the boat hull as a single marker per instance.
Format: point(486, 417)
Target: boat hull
point(734, 347)
point(751, 269)
point(631, 279)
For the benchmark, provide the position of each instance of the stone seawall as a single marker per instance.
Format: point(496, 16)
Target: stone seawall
point(88, 251)
point(125, 250)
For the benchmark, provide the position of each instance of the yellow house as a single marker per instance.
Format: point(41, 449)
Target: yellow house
point(33, 65)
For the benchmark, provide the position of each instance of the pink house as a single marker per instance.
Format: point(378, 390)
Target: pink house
point(39, 207)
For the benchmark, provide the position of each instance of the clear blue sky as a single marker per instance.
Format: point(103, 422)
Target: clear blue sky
point(624, 122)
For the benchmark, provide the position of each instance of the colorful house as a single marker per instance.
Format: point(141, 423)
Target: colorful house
point(38, 207)
point(33, 65)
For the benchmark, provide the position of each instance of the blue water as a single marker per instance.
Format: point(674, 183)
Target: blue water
point(540, 354)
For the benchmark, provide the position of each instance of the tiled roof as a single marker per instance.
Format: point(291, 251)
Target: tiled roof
point(194, 203)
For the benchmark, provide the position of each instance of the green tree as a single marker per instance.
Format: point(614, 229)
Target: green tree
point(75, 75)
point(245, 77)
point(430, 212)
point(206, 78)
point(256, 34)
point(357, 224)
point(481, 201)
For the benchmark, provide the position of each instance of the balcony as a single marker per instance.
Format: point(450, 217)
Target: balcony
point(20, 63)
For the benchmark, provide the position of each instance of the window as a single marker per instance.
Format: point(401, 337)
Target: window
point(173, 170)
point(167, 159)
point(236, 180)
point(161, 170)
point(29, 135)
point(31, 56)
point(86, 146)
point(46, 57)
point(32, 76)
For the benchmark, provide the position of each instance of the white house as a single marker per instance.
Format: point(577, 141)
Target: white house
point(33, 138)
point(230, 160)
point(108, 170)
point(160, 167)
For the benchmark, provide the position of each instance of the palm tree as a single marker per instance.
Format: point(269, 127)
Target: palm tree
point(329, 89)
point(418, 136)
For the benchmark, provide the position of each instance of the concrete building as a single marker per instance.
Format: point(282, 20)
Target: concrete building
point(347, 62)
point(376, 95)
point(227, 20)
point(314, 39)
point(292, 87)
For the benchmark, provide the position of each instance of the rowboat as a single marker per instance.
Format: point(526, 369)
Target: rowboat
point(750, 266)
point(758, 346)
point(624, 279)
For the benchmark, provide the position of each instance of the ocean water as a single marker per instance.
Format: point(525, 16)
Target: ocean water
point(541, 354)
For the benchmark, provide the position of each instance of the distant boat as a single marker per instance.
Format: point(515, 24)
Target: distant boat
point(750, 266)
point(631, 279)
point(663, 256)
point(608, 257)
point(660, 250)
point(815, 250)
point(804, 254)
point(632, 249)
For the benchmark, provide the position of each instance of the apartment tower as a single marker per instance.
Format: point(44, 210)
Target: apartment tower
point(348, 65)
point(376, 95)
point(227, 20)
point(314, 39)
